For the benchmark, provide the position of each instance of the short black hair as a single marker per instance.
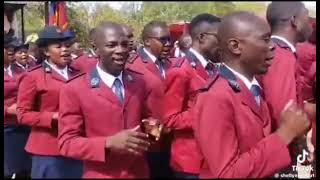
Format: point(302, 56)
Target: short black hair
point(148, 28)
point(197, 21)
point(279, 12)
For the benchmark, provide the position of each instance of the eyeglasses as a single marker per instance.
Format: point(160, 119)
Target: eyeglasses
point(163, 40)
point(213, 34)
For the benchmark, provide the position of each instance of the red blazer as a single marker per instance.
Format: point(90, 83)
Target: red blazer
point(234, 133)
point(90, 112)
point(307, 89)
point(279, 83)
point(84, 63)
point(10, 94)
point(20, 70)
point(38, 100)
point(306, 55)
point(142, 63)
point(182, 83)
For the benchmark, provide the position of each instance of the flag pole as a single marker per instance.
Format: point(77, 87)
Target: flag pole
point(46, 12)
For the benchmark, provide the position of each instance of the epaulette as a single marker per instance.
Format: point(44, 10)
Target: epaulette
point(178, 63)
point(34, 67)
point(132, 57)
point(209, 83)
point(134, 71)
point(76, 76)
point(230, 77)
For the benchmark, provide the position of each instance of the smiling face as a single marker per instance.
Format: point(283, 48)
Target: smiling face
point(21, 56)
point(113, 48)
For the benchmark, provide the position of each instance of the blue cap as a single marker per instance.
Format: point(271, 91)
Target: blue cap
point(18, 44)
point(69, 34)
point(50, 34)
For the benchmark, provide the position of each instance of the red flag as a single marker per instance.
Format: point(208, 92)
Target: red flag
point(58, 15)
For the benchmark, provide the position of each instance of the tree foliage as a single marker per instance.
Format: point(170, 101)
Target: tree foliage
point(81, 20)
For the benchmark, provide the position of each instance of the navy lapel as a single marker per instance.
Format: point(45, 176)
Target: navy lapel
point(195, 64)
point(98, 86)
point(239, 87)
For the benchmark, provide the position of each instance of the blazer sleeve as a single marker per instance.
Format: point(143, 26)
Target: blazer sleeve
point(177, 113)
point(27, 97)
point(71, 137)
point(219, 144)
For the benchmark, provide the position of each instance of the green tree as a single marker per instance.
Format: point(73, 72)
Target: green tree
point(34, 17)
point(79, 19)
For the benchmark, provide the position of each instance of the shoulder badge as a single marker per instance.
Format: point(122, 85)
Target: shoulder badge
point(130, 78)
point(234, 85)
point(95, 82)
point(230, 77)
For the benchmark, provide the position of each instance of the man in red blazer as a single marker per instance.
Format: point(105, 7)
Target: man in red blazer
point(153, 60)
point(306, 56)
point(182, 82)
point(289, 25)
point(233, 125)
point(101, 112)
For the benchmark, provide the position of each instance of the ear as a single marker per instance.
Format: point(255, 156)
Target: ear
point(294, 21)
point(147, 42)
point(234, 46)
point(201, 38)
point(46, 52)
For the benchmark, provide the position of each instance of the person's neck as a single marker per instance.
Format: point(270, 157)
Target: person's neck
point(55, 65)
point(113, 73)
point(197, 48)
point(239, 69)
point(149, 50)
point(288, 35)
point(21, 64)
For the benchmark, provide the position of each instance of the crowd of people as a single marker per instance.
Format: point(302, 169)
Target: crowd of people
point(234, 99)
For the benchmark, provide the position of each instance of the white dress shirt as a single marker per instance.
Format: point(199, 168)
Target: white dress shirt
point(20, 65)
point(245, 80)
point(293, 49)
point(153, 58)
point(63, 72)
point(8, 70)
point(202, 60)
point(109, 79)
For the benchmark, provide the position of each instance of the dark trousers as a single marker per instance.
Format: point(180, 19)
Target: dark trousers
point(16, 159)
point(159, 164)
point(55, 167)
point(183, 175)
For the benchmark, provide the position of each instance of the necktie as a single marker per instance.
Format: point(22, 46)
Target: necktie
point(118, 89)
point(210, 68)
point(160, 65)
point(256, 91)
